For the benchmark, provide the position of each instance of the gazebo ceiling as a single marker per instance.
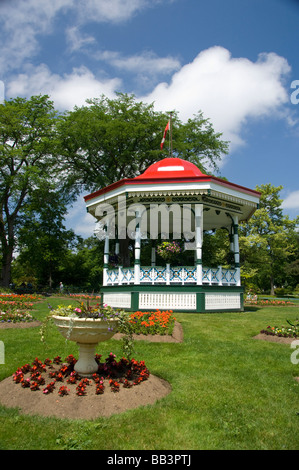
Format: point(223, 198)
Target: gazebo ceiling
point(176, 181)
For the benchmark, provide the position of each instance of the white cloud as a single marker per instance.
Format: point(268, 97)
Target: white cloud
point(291, 201)
point(109, 10)
point(146, 62)
point(66, 91)
point(76, 40)
point(23, 21)
point(229, 91)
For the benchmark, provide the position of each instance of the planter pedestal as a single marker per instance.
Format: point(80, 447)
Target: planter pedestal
point(87, 333)
point(86, 364)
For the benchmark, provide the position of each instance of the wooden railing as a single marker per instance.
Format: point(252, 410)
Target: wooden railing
point(171, 275)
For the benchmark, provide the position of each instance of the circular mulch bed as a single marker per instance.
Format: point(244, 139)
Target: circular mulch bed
point(274, 339)
point(29, 324)
point(89, 406)
point(176, 337)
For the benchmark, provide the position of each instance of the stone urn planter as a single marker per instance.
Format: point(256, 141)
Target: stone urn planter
point(87, 333)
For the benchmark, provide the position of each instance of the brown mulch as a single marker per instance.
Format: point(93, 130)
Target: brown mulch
point(90, 406)
point(176, 337)
point(29, 324)
point(274, 339)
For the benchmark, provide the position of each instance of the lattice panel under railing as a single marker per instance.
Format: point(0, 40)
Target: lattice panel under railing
point(167, 301)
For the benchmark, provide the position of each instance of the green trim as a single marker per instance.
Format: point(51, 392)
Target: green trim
point(135, 301)
point(172, 288)
point(200, 302)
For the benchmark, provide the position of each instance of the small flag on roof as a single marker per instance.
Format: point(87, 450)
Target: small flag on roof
point(164, 135)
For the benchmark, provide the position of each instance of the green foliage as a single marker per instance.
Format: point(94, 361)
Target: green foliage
point(28, 160)
point(196, 141)
point(83, 266)
point(45, 252)
point(215, 250)
point(46, 159)
point(269, 242)
point(111, 139)
point(125, 327)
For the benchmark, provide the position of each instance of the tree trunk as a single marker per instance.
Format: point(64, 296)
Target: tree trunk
point(6, 266)
point(272, 285)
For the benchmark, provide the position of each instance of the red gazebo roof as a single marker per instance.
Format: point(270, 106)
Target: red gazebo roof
point(170, 171)
point(171, 168)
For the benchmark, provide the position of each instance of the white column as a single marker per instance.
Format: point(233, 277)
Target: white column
point(167, 274)
point(220, 275)
point(198, 241)
point(137, 249)
point(236, 249)
point(106, 255)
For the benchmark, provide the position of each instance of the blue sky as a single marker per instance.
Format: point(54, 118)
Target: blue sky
point(236, 60)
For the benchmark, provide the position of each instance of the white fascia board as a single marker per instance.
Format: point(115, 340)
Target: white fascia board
point(166, 187)
point(146, 188)
point(239, 194)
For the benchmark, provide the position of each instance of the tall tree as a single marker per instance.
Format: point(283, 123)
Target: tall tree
point(43, 240)
point(197, 142)
point(83, 266)
point(110, 139)
point(269, 240)
point(28, 160)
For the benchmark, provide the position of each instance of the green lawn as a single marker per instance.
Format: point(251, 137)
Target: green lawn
point(228, 390)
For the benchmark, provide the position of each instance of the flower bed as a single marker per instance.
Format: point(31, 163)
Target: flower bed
point(14, 308)
point(56, 375)
point(291, 331)
point(6, 305)
point(272, 303)
point(85, 296)
point(20, 299)
point(15, 316)
point(152, 323)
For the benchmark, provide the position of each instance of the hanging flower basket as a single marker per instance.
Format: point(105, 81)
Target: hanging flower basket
point(169, 250)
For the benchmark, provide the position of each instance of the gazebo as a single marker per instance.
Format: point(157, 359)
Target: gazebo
point(172, 200)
